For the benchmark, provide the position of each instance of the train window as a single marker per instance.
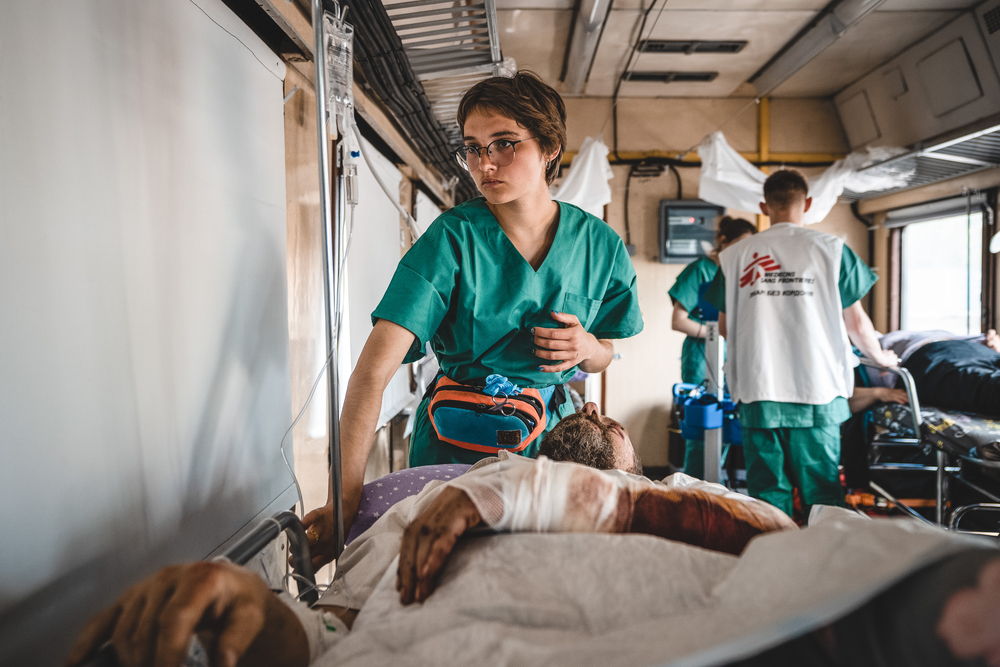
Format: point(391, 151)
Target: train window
point(941, 273)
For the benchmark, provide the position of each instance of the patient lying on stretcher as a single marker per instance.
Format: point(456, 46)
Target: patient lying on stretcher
point(951, 371)
point(665, 582)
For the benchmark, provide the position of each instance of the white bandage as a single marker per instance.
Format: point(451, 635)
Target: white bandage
point(525, 495)
point(323, 629)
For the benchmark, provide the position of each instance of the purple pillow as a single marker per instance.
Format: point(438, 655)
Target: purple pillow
point(384, 492)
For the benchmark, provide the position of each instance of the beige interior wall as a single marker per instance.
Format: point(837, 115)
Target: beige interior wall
point(639, 383)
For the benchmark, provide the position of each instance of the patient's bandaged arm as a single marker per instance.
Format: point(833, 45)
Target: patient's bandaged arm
point(520, 495)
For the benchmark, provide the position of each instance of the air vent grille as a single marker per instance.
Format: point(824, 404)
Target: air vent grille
point(689, 46)
point(672, 77)
point(992, 20)
point(950, 159)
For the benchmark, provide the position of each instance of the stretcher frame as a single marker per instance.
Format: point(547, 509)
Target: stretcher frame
point(942, 470)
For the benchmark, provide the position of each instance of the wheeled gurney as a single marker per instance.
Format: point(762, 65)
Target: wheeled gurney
point(956, 447)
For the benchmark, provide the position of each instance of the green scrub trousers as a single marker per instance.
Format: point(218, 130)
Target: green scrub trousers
point(790, 445)
point(466, 290)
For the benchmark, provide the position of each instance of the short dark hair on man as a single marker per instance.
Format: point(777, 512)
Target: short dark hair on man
point(579, 439)
point(731, 229)
point(783, 187)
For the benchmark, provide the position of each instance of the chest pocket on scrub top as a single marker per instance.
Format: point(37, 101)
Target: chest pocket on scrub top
point(583, 307)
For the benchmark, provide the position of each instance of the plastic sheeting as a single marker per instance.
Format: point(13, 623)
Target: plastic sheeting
point(586, 184)
point(728, 179)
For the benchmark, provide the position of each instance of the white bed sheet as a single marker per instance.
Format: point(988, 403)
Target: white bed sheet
point(591, 599)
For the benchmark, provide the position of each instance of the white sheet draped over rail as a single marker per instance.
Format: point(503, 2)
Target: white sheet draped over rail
point(728, 179)
point(586, 183)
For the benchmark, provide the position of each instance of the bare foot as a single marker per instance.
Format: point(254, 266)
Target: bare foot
point(992, 340)
point(968, 620)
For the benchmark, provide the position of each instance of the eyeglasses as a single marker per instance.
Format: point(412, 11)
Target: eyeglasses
point(501, 152)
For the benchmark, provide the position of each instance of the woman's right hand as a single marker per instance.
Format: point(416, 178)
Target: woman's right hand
point(381, 356)
point(322, 534)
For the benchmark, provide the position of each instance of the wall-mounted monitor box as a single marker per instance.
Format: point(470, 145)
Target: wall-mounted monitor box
point(687, 229)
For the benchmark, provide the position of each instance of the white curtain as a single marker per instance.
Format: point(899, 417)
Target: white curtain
point(586, 183)
point(729, 180)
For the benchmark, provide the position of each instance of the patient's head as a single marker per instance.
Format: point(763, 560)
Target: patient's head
point(591, 439)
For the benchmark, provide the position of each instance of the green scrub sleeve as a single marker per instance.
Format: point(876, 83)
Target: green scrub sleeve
point(856, 279)
point(716, 292)
point(419, 294)
point(619, 315)
point(685, 288)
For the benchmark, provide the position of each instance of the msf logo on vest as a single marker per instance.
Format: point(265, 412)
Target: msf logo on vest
point(757, 269)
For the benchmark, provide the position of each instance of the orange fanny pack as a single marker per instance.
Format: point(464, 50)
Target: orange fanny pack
point(470, 418)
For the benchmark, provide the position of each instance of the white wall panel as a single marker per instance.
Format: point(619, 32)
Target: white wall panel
point(143, 351)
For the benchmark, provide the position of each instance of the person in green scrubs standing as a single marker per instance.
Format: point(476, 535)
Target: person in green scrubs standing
point(691, 312)
point(510, 283)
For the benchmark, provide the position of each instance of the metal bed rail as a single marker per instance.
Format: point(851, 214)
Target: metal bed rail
point(269, 529)
point(917, 422)
point(961, 512)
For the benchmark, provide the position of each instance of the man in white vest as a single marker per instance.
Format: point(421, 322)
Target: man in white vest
point(790, 306)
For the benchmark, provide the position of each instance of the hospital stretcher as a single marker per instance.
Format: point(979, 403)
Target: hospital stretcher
point(955, 447)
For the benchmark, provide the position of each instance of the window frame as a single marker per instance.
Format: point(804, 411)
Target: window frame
point(898, 219)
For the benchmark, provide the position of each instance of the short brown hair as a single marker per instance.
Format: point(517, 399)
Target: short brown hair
point(731, 229)
point(528, 100)
point(580, 439)
point(783, 187)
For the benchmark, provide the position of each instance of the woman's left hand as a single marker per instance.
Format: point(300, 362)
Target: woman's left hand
point(567, 346)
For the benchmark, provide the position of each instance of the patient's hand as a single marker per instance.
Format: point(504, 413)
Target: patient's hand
point(992, 340)
point(429, 541)
point(885, 358)
point(968, 619)
point(887, 395)
point(232, 610)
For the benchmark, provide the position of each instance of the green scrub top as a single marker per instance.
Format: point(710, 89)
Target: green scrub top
point(854, 281)
point(689, 291)
point(464, 288)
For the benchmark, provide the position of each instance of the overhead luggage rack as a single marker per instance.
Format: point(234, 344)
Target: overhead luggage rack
point(451, 46)
point(959, 156)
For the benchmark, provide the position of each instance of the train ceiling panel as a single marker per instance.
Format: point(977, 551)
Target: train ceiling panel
point(764, 32)
point(874, 41)
point(451, 45)
point(767, 26)
point(538, 37)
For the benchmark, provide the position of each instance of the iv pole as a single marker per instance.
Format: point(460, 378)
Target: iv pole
point(332, 243)
point(714, 349)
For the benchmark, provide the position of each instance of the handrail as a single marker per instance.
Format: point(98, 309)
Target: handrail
point(908, 384)
point(957, 515)
point(268, 529)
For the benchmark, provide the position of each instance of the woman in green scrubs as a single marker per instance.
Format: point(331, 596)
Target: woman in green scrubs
point(511, 283)
point(691, 312)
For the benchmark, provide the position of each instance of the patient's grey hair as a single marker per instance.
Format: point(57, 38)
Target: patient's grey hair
point(580, 439)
